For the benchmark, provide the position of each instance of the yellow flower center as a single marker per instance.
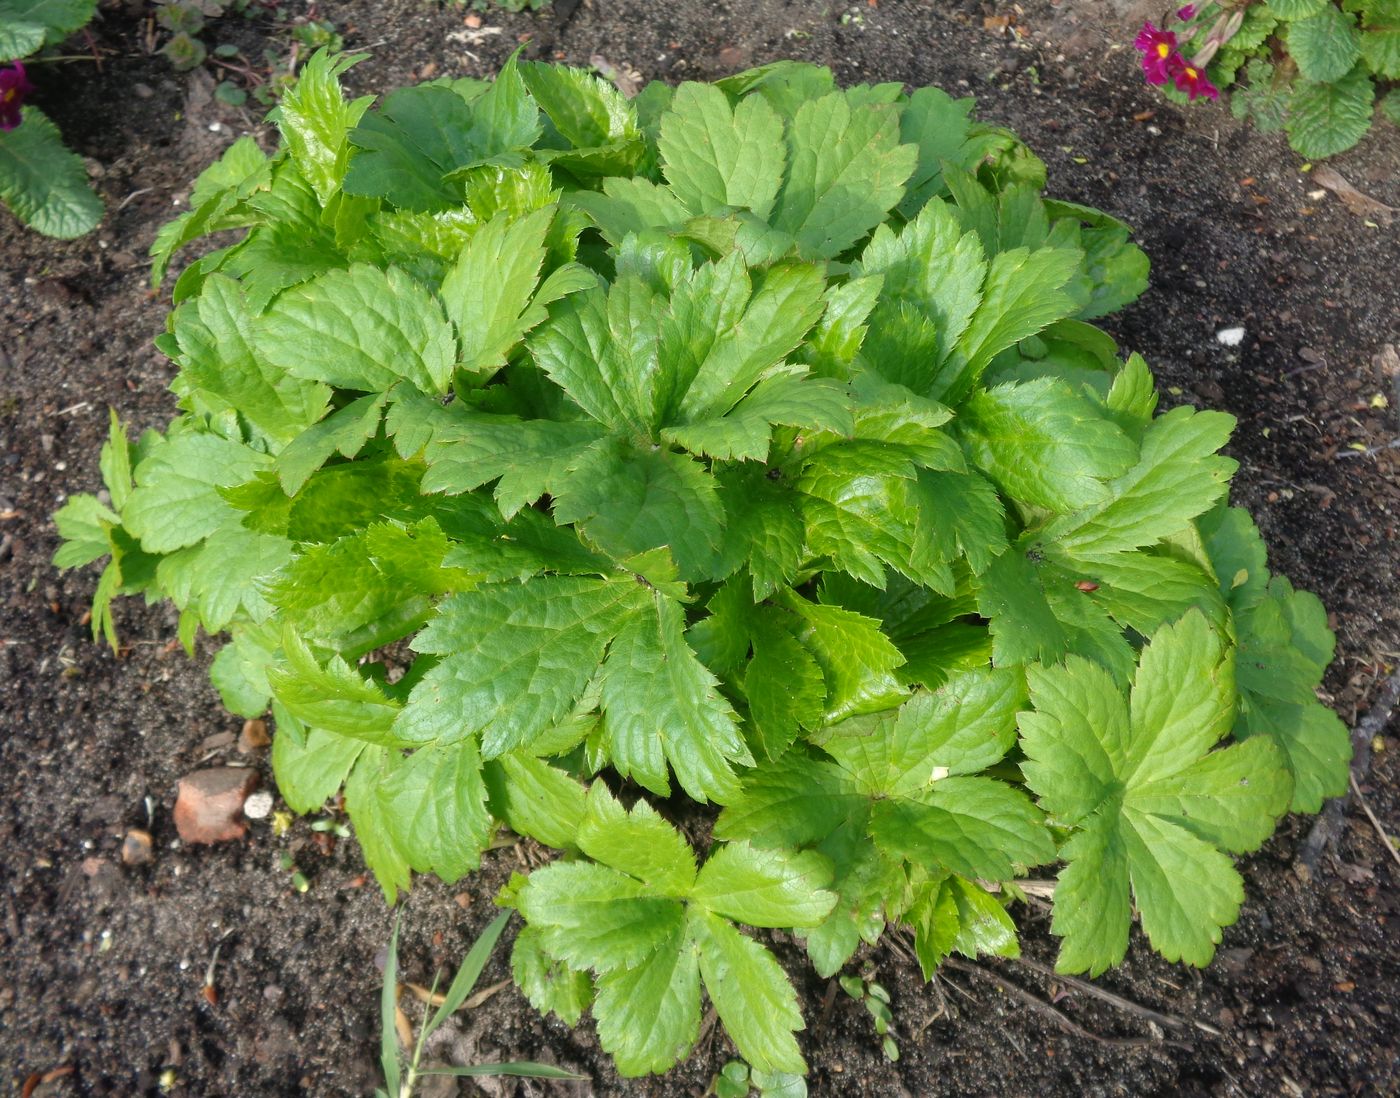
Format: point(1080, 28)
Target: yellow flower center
point(1163, 49)
point(1191, 73)
point(9, 95)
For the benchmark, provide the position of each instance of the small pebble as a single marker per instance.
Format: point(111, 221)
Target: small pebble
point(257, 806)
point(1230, 337)
point(254, 736)
point(136, 847)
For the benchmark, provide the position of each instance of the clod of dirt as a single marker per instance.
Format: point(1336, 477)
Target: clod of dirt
point(209, 808)
point(254, 736)
point(136, 847)
point(217, 742)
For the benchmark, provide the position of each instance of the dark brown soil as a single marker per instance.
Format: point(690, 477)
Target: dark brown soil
point(102, 965)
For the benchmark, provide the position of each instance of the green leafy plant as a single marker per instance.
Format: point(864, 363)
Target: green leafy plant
point(185, 20)
point(876, 1001)
point(403, 1068)
point(1315, 68)
point(736, 1080)
point(41, 181)
point(552, 461)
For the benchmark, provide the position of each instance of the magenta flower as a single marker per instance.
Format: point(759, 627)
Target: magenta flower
point(1157, 47)
point(1191, 80)
point(1185, 14)
point(14, 86)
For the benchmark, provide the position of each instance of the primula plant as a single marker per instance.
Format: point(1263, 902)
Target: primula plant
point(568, 464)
point(41, 182)
point(1312, 67)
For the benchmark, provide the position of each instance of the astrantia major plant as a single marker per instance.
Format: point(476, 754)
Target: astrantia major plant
point(568, 464)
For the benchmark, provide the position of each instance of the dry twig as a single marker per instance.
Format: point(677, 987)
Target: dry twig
point(1366, 808)
point(1170, 1021)
point(1062, 1020)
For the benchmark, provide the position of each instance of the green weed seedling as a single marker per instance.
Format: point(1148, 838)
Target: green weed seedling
point(877, 1001)
point(403, 1068)
point(737, 1080)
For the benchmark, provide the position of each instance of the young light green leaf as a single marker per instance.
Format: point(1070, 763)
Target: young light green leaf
point(595, 917)
point(963, 727)
point(551, 985)
point(373, 829)
point(1044, 444)
point(649, 1015)
point(1023, 294)
point(846, 171)
point(1135, 786)
point(344, 431)
point(222, 371)
point(750, 992)
point(176, 501)
point(772, 888)
point(1178, 476)
point(716, 156)
point(83, 523)
point(226, 576)
point(639, 843)
point(515, 657)
point(505, 117)
point(955, 914)
point(938, 126)
point(856, 658)
point(536, 799)
point(1284, 648)
point(587, 112)
point(315, 120)
point(977, 827)
point(783, 685)
point(783, 306)
point(662, 706)
point(435, 805)
point(487, 292)
point(311, 765)
point(628, 500)
point(936, 267)
point(334, 697)
point(527, 458)
point(361, 329)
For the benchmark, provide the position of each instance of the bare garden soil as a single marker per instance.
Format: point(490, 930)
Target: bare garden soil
point(102, 965)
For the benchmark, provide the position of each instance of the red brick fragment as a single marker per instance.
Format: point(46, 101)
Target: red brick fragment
point(209, 808)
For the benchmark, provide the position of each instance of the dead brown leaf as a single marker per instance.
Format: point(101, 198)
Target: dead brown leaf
point(1362, 205)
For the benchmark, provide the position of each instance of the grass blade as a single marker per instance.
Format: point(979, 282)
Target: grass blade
point(470, 971)
point(388, 1004)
